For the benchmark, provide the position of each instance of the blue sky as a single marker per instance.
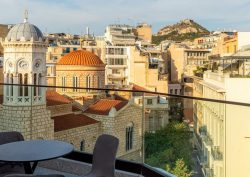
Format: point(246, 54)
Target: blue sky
point(75, 15)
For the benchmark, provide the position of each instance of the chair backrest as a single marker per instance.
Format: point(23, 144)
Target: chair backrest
point(104, 155)
point(8, 137)
point(25, 175)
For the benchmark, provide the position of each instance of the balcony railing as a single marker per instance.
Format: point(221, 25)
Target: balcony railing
point(208, 140)
point(216, 153)
point(142, 151)
point(209, 172)
point(203, 131)
point(117, 76)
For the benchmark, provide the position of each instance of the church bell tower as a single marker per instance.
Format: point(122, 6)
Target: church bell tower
point(24, 107)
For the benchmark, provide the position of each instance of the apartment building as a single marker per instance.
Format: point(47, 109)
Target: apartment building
point(4, 29)
point(156, 108)
point(206, 42)
point(184, 61)
point(144, 32)
point(126, 62)
point(231, 42)
point(222, 129)
point(120, 35)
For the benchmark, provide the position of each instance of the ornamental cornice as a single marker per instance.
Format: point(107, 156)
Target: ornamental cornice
point(24, 44)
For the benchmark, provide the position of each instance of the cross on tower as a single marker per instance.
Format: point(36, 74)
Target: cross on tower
point(26, 13)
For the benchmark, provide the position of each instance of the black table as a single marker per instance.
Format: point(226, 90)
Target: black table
point(33, 151)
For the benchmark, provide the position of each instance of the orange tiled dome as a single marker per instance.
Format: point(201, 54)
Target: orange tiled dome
point(80, 57)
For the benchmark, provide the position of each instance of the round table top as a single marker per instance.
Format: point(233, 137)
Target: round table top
point(34, 151)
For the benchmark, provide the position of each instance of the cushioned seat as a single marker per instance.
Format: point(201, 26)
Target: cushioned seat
point(104, 157)
point(10, 168)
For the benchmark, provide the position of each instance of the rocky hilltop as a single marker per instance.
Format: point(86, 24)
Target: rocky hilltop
point(184, 30)
point(183, 27)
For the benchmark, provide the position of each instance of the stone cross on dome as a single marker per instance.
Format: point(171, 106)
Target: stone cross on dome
point(26, 14)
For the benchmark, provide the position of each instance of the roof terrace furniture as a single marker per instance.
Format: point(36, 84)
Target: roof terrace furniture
point(25, 175)
point(104, 157)
point(8, 168)
point(33, 151)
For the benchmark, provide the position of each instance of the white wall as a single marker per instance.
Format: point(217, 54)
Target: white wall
point(243, 39)
point(238, 89)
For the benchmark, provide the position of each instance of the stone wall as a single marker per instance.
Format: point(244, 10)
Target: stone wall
point(33, 122)
point(62, 109)
point(74, 136)
point(135, 156)
point(117, 125)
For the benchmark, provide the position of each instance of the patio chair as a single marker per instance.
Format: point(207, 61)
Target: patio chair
point(10, 168)
point(104, 157)
point(25, 175)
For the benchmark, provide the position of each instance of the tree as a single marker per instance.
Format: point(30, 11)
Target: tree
point(180, 169)
point(170, 148)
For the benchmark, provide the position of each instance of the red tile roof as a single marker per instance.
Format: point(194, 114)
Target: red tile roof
point(54, 98)
point(102, 107)
point(75, 109)
point(139, 88)
point(70, 121)
point(81, 57)
point(119, 97)
point(136, 87)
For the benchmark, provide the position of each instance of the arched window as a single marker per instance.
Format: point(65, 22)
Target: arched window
point(82, 145)
point(35, 83)
point(7, 87)
point(39, 83)
point(99, 82)
point(20, 82)
point(75, 83)
point(63, 83)
point(11, 86)
point(26, 88)
point(88, 83)
point(129, 136)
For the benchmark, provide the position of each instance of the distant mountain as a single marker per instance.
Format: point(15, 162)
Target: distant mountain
point(184, 30)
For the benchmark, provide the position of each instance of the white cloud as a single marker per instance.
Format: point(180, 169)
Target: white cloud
point(74, 15)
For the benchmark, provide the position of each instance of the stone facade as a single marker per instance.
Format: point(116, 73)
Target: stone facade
point(57, 110)
point(33, 122)
point(87, 134)
point(116, 123)
point(24, 108)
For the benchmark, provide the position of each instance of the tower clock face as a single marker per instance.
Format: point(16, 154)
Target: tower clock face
point(10, 64)
point(23, 64)
point(37, 64)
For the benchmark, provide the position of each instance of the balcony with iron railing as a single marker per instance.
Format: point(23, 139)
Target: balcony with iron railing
point(216, 153)
point(208, 140)
point(209, 172)
point(142, 152)
point(117, 76)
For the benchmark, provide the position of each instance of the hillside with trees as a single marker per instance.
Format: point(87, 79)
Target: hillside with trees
point(184, 30)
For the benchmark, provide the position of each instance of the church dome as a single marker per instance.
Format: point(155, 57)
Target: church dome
point(81, 57)
point(24, 30)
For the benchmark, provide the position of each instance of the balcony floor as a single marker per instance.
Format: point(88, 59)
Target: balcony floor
point(70, 168)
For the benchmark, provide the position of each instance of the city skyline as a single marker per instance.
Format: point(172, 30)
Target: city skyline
point(75, 15)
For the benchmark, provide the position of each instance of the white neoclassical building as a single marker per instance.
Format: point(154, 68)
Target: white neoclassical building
point(24, 107)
